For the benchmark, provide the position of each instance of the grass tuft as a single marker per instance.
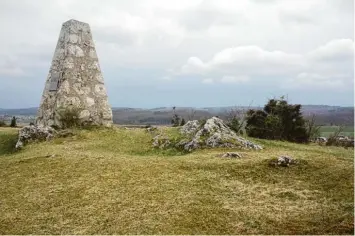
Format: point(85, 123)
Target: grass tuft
point(8, 139)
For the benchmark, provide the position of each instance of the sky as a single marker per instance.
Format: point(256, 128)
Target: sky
point(195, 53)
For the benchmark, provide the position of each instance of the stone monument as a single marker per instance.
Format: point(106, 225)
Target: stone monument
point(75, 80)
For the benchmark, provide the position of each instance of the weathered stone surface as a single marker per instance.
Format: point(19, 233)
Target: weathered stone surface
point(161, 141)
point(34, 133)
point(214, 133)
point(232, 155)
point(190, 127)
point(75, 79)
point(151, 129)
point(285, 161)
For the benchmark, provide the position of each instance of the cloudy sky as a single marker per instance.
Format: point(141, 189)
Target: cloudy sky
point(188, 53)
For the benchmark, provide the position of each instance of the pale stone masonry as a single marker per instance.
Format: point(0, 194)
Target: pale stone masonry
point(75, 80)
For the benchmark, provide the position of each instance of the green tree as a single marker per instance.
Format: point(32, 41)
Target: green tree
point(234, 124)
point(13, 122)
point(278, 120)
point(183, 122)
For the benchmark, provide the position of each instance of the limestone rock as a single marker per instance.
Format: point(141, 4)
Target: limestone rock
point(161, 141)
point(75, 80)
point(190, 127)
point(151, 129)
point(232, 155)
point(34, 133)
point(214, 133)
point(285, 161)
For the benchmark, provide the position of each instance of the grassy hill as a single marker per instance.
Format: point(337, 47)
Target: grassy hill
point(110, 181)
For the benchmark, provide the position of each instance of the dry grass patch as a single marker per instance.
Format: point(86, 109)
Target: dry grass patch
point(111, 181)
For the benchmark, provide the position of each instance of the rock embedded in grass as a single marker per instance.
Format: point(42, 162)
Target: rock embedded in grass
point(161, 141)
point(34, 133)
point(190, 127)
point(211, 134)
point(232, 155)
point(285, 161)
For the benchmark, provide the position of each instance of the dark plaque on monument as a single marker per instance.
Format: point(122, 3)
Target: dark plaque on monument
point(53, 86)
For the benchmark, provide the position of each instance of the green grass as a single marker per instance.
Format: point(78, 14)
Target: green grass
point(111, 181)
point(8, 139)
point(326, 131)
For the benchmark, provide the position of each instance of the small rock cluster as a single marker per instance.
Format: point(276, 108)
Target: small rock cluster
point(285, 161)
point(282, 161)
point(213, 133)
point(231, 155)
point(34, 133)
point(151, 129)
point(161, 141)
point(190, 127)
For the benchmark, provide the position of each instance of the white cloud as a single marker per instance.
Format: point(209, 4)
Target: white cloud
point(339, 49)
point(234, 79)
point(293, 17)
point(194, 65)
point(332, 58)
point(211, 13)
point(311, 81)
point(260, 39)
point(254, 56)
point(252, 60)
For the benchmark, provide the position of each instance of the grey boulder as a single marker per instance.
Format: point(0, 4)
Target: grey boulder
point(33, 133)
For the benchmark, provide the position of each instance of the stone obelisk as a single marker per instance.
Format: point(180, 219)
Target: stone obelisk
point(75, 80)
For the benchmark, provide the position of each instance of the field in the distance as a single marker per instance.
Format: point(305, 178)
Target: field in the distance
point(326, 131)
point(111, 181)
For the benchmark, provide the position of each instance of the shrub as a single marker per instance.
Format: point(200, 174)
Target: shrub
point(202, 122)
point(183, 122)
point(278, 120)
point(236, 119)
point(69, 117)
point(13, 122)
point(335, 139)
point(175, 121)
point(234, 124)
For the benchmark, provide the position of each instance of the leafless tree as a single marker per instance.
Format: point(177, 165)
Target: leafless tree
point(191, 114)
point(237, 114)
point(312, 128)
point(333, 138)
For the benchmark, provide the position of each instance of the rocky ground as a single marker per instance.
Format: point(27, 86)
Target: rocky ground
point(212, 133)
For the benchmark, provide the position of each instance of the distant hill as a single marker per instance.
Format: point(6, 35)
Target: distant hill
point(21, 111)
point(325, 115)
